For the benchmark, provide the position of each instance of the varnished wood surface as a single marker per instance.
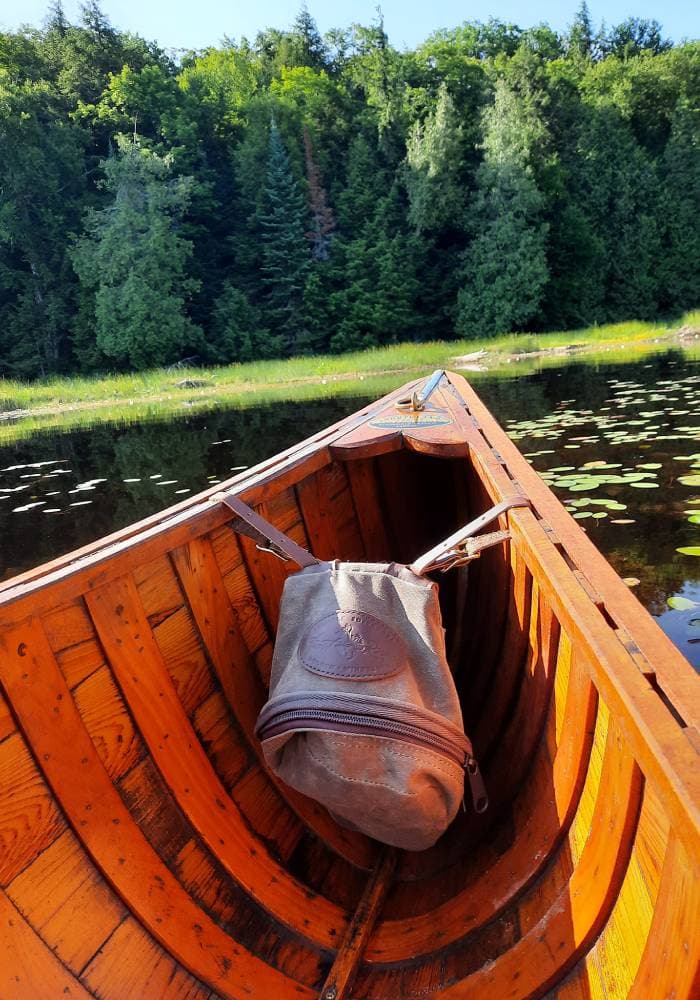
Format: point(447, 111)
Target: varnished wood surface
point(145, 851)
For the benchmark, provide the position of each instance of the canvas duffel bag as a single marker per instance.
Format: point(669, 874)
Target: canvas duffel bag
point(363, 715)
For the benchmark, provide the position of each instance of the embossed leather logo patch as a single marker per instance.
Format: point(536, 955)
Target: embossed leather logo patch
point(354, 645)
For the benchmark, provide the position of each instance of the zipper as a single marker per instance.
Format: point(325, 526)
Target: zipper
point(457, 750)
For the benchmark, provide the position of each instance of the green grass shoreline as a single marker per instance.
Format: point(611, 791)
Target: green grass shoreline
point(70, 402)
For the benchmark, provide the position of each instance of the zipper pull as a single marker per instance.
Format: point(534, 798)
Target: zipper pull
point(476, 784)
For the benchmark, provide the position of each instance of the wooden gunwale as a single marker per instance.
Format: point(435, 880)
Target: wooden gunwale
point(660, 745)
point(265, 472)
point(672, 670)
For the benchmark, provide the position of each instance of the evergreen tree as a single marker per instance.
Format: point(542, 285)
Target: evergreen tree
point(679, 261)
point(311, 50)
point(581, 38)
point(377, 303)
point(236, 333)
point(617, 190)
point(56, 19)
point(42, 189)
point(434, 161)
point(134, 261)
point(505, 268)
point(285, 254)
point(365, 184)
point(494, 178)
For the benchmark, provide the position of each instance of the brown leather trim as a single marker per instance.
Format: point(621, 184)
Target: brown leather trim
point(264, 533)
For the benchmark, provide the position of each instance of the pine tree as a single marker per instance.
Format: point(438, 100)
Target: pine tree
point(365, 184)
point(56, 19)
point(616, 188)
point(285, 253)
point(505, 266)
point(134, 261)
point(42, 193)
point(322, 222)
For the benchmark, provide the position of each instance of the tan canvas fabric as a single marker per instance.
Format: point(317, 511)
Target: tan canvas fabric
point(369, 639)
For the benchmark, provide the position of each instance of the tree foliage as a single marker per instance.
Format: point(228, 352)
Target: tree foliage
point(134, 260)
point(298, 192)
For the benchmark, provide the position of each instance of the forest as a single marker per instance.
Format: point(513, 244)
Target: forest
point(298, 193)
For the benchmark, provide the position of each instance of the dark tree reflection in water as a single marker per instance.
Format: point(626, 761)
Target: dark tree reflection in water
point(615, 442)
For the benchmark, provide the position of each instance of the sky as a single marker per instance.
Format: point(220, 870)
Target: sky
point(193, 24)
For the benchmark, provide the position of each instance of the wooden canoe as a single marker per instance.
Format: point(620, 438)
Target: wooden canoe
point(145, 851)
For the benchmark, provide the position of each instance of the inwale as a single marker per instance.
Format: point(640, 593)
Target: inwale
point(146, 852)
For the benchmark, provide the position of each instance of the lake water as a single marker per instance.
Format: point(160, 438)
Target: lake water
point(619, 444)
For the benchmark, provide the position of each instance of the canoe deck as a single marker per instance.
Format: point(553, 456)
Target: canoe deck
point(145, 850)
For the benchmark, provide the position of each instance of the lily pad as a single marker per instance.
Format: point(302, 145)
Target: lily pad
point(689, 480)
point(631, 581)
point(694, 519)
point(681, 604)
point(689, 550)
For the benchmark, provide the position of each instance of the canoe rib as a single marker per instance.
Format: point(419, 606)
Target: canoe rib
point(50, 720)
point(127, 640)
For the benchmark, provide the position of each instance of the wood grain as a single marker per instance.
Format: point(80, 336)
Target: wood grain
point(142, 676)
point(47, 713)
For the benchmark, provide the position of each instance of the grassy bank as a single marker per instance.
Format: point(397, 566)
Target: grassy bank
point(145, 395)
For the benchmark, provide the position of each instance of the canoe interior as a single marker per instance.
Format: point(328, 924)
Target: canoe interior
point(146, 852)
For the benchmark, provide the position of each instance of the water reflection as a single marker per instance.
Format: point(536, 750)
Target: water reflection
point(618, 443)
point(59, 491)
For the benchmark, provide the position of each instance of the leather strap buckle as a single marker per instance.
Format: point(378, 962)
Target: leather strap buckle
point(461, 547)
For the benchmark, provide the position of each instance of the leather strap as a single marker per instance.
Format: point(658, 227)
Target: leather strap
point(461, 547)
point(264, 534)
point(458, 549)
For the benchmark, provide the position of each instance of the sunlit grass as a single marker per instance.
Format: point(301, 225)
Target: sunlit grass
point(144, 395)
